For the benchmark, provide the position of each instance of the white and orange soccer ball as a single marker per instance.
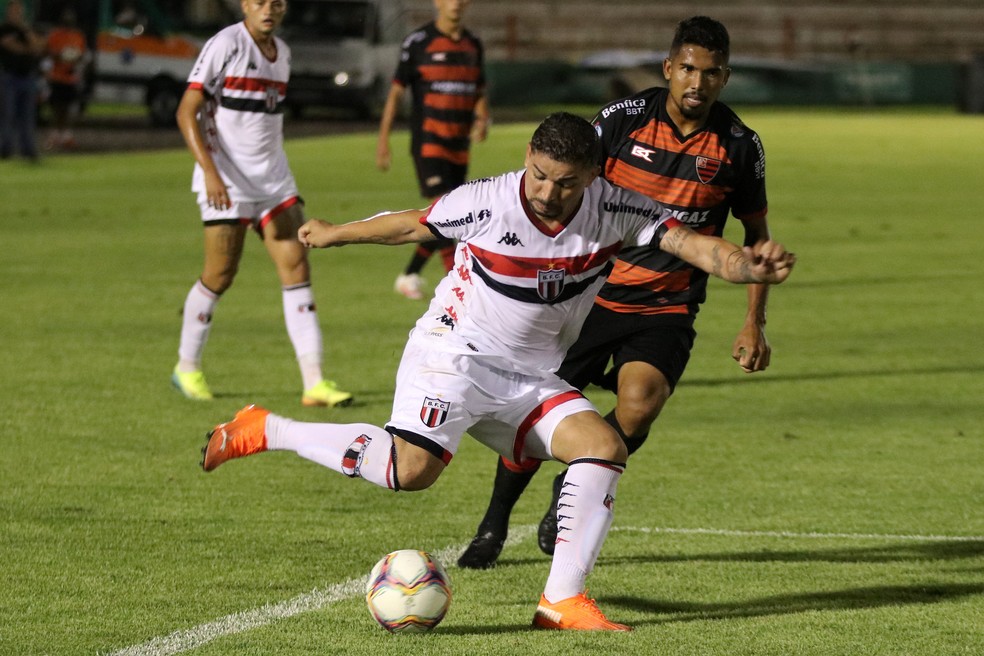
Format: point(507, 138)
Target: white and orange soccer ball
point(408, 591)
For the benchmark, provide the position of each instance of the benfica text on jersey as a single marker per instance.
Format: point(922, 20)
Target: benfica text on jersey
point(519, 291)
point(699, 178)
point(242, 119)
point(445, 77)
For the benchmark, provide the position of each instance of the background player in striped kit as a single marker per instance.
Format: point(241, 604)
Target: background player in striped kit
point(442, 65)
point(231, 117)
point(683, 148)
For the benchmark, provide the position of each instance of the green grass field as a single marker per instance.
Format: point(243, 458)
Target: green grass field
point(832, 505)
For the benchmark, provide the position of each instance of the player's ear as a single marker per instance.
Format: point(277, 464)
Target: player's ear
point(667, 68)
point(529, 155)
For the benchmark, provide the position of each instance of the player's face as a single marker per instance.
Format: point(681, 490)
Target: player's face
point(451, 10)
point(263, 16)
point(554, 189)
point(696, 77)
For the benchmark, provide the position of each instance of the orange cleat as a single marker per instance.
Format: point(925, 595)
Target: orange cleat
point(243, 436)
point(577, 613)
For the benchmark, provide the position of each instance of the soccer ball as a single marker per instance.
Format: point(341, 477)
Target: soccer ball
point(408, 591)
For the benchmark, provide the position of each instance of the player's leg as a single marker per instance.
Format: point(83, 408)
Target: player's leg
point(435, 177)
point(595, 456)
point(356, 450)
point(646, 366)
point(223, 250)
point(279, 228)
point(585, 362)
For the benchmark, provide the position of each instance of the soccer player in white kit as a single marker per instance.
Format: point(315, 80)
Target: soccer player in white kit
point(534, 248)
point(231, 117)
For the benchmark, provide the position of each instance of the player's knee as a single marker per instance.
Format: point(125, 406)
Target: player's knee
point(416, 469)
point(219, 280)
point(640, 404)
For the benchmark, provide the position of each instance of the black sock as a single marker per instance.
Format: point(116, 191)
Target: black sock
point(506, 490)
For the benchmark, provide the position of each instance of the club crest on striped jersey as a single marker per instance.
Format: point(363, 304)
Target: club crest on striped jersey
point(550, 283)
point(272, 96)
point(707, 168)
point(433, 412)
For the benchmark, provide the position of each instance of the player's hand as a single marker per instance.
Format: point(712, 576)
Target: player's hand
point(383, 156)
point(751, 349)
point(315, 234)
point(216, 192)
point(771, 262)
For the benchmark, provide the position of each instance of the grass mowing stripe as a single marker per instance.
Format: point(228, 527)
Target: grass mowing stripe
point(182, 641)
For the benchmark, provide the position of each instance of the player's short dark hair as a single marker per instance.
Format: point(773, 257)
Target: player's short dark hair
point(704, 32)
point(567, 138)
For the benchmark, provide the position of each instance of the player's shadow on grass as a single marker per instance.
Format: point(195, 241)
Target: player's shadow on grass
point(829, 375)
point(668, 612)
point(897, 552)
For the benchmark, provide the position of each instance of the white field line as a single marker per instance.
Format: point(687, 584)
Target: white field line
point(793, 534)
point(182, 641)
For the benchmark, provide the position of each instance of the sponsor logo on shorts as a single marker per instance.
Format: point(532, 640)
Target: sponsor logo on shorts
point(434, 412)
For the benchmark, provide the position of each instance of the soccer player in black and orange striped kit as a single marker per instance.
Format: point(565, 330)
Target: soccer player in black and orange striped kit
point(442, 64)
point(688, 151)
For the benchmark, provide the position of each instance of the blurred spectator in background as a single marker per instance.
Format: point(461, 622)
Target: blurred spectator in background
point(21, 49)
point(67, 58)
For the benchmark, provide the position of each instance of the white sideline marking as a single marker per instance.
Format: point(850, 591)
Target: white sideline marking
point(181, 641)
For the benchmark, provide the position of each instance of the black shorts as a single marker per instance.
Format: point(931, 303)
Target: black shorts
point(662, 340)
point(438, 176)
point(63, 94)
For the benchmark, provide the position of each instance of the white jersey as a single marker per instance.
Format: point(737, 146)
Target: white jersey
point(242, 119)
point(519, 292)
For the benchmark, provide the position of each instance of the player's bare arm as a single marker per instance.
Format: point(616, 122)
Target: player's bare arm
point(388, 228)
point(765, 262)
point(751, 348)
point(187, 117)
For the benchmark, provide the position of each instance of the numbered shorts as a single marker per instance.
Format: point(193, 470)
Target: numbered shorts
point(440, 396)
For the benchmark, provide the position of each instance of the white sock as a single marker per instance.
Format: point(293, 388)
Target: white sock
point(301, 318)
point(196, 322)
point(356, 450)
point(584, 515)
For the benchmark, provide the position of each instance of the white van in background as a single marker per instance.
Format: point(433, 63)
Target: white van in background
point(344, 53)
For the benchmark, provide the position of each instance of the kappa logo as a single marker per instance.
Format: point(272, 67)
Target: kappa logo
point(510, 239)
point(642, 153)
point(251, 66)
point(433, 412)
point(707, 168)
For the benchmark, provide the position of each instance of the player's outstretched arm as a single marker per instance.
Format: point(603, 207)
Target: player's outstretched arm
point(767, 261)
point(388, 228)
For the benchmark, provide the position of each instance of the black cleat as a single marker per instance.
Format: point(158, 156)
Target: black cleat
point(546, 532)
point(483, 551)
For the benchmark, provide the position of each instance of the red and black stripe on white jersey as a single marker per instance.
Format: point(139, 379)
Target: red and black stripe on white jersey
point(446, 77)
point(519, 290)
point(242, 119)
point(700, 178)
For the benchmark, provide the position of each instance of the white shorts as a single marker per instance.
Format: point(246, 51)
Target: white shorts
point(440, 396)
point(258, 213)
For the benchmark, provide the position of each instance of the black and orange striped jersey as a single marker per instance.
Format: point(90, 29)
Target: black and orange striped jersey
point(701, 178)
point(446, 77)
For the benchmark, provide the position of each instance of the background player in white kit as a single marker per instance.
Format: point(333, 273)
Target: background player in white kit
point(231, 117)
point(534, 247)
